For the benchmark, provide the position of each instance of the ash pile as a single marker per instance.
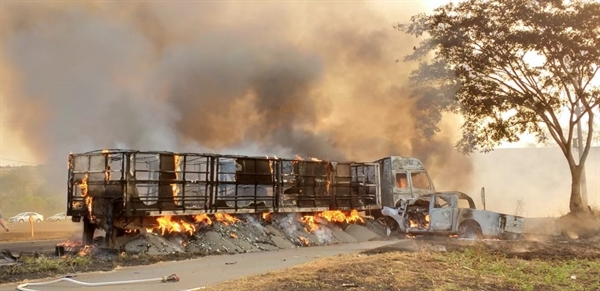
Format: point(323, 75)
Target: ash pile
point(225, 234)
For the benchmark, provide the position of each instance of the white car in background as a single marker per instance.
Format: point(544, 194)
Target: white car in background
point(58, 217)
point(24, 216)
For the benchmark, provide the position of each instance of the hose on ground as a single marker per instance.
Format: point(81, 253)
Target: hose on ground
point(171, 278)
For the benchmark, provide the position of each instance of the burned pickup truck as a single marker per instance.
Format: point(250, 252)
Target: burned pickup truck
point(450, 213)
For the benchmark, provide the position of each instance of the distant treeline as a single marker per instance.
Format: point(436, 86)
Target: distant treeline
point(32, 188)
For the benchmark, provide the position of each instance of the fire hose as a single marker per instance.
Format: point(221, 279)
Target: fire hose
point(171, 278)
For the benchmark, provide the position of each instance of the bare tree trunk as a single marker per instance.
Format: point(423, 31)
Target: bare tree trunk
point(575, 203)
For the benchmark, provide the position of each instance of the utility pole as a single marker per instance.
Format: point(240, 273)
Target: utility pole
point(583, 182)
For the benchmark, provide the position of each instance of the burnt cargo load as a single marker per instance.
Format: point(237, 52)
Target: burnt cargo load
point(109, 187)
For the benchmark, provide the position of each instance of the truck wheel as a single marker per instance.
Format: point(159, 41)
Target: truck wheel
point(21, 220)
point(469, 229)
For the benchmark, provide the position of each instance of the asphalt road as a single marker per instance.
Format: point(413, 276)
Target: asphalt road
point(43, 246)
point(205, 271)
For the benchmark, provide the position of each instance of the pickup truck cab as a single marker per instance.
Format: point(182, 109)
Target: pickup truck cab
point(450, 213)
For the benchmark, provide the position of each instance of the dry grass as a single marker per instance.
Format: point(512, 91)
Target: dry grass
point(473, 268)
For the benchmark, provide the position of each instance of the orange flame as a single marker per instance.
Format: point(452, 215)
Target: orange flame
point(266, 216)
point(165, 224)
point(175, 188)
point(412, 223)
point(107, 173)
point(299, 158)
point(304, 241)
point(339, 216)
point(353, 217)
point(333, 216)
point(203, 218)
point(225, 218)
point(84, 193)
point(233, 235)
point(86, 250)
point(310, 223)
point(84, 186)
point(70, 244)
point(315, 159)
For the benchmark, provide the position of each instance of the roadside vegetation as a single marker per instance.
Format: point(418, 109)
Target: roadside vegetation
point(50, 266)
point(472, 268)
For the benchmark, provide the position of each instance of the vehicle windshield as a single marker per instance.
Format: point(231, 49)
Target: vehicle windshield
point(420, 180)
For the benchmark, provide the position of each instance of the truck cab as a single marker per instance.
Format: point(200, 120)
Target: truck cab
point(403, 178)
point(451, 213)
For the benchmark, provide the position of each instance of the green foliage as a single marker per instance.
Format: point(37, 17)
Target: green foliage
point(510, 67)
point(29, 188)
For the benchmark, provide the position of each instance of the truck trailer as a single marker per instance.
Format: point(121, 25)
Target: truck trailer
point(122, 190)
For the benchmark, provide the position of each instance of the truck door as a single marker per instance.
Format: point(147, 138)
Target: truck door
point(441, 212)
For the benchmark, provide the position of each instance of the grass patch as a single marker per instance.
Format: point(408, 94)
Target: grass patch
point(473, 268)
point(48, 266)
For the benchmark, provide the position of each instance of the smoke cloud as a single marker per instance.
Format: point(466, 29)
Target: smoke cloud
point(313, 79)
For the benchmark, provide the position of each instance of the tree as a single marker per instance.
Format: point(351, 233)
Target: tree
point(511, 67)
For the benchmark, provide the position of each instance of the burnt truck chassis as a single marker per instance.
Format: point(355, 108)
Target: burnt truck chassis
point(116, 190)
point(451, 213)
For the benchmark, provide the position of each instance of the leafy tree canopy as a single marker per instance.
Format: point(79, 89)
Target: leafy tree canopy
point(510, 67)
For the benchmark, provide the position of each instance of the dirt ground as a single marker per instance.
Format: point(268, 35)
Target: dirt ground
point(41, 231)
point(538, 263)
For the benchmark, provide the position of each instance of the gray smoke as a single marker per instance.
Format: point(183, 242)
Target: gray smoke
point(276, 78)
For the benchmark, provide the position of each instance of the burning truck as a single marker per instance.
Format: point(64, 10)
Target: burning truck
point(122, 191)
point(451, 213)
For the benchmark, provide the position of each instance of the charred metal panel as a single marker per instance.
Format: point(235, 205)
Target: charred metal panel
point(387, 183)
point(132, 184)
point(406, 163)
point(399, 178)
point(441, 219)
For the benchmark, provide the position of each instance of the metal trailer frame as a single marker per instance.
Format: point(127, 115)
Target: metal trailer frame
point(111, 187)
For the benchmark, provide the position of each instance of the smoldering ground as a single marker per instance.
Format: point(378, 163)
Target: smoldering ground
point(285, 78)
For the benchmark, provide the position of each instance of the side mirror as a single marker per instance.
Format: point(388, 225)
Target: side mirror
point(483, 197)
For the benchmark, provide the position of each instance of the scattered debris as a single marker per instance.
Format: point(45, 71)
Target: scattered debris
point(240, 234)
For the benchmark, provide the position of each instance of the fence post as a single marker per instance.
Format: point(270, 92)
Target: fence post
point(31, 225)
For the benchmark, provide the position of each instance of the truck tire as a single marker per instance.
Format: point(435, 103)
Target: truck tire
point(469, 229)
point(21, 220)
